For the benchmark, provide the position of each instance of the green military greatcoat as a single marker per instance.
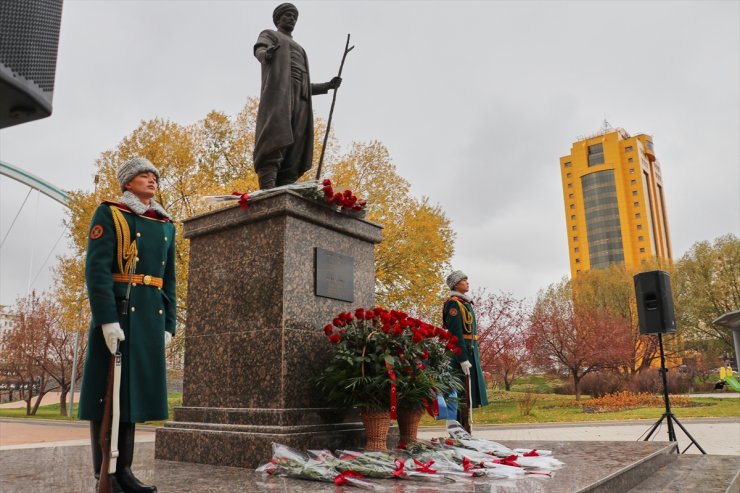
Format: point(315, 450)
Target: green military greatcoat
point(117, 236)
point(459, 319)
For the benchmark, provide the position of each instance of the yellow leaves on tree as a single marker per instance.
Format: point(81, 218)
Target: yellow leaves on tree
point(214, 156)
point(417, 238)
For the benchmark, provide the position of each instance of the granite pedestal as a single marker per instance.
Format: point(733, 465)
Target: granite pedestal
point(254, 336)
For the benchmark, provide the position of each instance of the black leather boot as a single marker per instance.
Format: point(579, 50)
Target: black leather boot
point(97, 458)
point(124, 476)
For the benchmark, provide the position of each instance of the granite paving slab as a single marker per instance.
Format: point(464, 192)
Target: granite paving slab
point(704, 473)
point(589, 466)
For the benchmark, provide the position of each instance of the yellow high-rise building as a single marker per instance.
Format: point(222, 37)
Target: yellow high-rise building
point(614, 201)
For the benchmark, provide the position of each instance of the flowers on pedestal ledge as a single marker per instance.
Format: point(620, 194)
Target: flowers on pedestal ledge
point(346, 200)
point(323, 192)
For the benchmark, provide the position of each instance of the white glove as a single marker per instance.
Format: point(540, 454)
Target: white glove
point(167, 338)
point(465, 365)
point(112, 333)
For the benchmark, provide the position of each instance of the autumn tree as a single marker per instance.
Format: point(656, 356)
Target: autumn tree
point(69, 339)
point(501, 321)
point(511, 360)
point(573, 339)
point(707, 285)
point(417, 238)
point(27, 347)
point(214, 156)
point(612, 290)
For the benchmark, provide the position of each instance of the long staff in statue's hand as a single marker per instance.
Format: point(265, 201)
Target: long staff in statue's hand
point(347, 49)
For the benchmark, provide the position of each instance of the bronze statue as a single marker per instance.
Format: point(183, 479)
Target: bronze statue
point(283, 149)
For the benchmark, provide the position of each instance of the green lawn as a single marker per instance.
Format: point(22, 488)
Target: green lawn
point(543, 384)
point(503, 408)
point(52, 411)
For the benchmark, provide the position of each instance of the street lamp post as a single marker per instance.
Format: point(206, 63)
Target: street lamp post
point(74, 375)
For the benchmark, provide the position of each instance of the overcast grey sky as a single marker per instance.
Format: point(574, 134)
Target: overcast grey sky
point(476, 101)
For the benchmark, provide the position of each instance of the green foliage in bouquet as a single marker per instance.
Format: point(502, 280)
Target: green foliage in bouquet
point(373, 350)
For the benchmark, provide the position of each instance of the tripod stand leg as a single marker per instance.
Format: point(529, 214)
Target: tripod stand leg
point(692, 441)
point(654, 428)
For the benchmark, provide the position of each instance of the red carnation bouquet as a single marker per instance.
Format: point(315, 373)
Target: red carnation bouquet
point(386, 360)
point(346, 200)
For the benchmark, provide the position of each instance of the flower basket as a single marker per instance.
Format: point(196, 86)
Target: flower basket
point(408, 424)
point(381, 361)
point(376, 424)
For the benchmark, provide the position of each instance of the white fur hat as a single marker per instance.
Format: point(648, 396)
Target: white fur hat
point(133, 167)
point(454, 278)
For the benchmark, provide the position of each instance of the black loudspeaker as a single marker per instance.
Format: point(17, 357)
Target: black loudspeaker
point(655, 302)
point(29, 39)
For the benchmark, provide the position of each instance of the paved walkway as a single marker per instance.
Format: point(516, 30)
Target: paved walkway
point(48, 399)
point(17, 433)
point(719, 436)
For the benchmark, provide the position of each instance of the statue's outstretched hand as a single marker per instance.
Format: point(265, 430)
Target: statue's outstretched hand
point(335, 83)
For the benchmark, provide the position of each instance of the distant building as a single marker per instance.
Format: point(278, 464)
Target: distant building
point(614, 201)
point(7, 321)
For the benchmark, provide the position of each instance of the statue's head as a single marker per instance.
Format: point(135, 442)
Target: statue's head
point(285, 16)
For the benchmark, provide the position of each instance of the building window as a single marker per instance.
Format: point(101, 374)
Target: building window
point(567, 165)
point(628, 149)
point(639, 226)
point(595, 154)
point(568, 174)
point(642, 250)
point(570, 185)
point(632, 170)
point(633, 182)
point(572, 206)
point(573, 228)
point(576, 249)
point(578, 261)
point(634, 193)
point(575, 238)
point(573, 217)
point(570, 196)
point(578, 270)
point(636, 204)
point(640, 238)
point(629, 159)
point(603, 229)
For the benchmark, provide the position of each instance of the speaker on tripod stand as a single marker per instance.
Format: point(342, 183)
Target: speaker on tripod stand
point(656, 316)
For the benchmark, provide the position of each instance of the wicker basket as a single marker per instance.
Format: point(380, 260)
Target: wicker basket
point(376, 429)
point(408, 424)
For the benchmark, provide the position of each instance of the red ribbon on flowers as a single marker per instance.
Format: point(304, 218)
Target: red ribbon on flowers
point(467, 465)
point(243, 197)
point(394, 392)
point(342, 478)
point(433, 409)
point(425, 467)
point(531, 453)
point(400, 464)
point(508, 461)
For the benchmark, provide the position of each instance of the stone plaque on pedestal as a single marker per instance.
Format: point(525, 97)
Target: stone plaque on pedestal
point(255, 330)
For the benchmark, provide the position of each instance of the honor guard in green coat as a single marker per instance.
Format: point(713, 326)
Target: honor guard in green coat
point(131, 242)
point(459, 319)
